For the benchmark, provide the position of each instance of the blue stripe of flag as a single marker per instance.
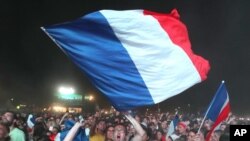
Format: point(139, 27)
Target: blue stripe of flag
point(217, 103)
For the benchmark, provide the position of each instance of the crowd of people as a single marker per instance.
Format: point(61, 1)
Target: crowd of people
point(114, 126)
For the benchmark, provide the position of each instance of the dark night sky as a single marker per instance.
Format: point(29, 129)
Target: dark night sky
point(32, 66)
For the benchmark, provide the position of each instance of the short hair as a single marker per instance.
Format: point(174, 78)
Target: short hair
point(13, 114)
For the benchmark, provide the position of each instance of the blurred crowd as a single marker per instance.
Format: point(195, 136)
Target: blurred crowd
point(113, 126)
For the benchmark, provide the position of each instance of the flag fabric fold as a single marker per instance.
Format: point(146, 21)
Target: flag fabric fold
point(219, 108)
point(134, 57)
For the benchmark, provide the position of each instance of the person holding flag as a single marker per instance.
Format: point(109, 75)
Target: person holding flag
point(218, 110)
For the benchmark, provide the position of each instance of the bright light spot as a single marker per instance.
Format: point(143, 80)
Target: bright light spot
point(18, 107)
point(65, 90)
point(59, 109)
point(23, 105)
point(106, 112)
point(91, 98)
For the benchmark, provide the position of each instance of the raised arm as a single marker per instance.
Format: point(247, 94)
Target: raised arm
point(66, 114)
point(72, 132)
point(139, 130)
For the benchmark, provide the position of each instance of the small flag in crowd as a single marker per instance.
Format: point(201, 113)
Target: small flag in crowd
point(80, 135)
point(218, 109)
point(173, 125)
point(134, 57)
point(31, 121)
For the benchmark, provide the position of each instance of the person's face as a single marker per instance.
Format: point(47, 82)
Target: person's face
point(181, 129)
point(7, 118)
point(191, 136)
point(223, 127)
point(101, 125)
point(119, 133)
point(137, 118)
point(110, 133)
point(164, 125)
point(158, 135)
point(90, 120)
point(58, 120)
point(3, 131)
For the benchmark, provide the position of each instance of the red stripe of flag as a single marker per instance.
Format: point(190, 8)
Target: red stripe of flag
point(178, 33)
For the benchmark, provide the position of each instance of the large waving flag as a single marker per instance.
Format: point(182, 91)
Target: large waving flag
point(134, 57)
point(218, 109)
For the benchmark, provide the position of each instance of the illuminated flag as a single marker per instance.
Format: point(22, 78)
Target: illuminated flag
point(134, 57)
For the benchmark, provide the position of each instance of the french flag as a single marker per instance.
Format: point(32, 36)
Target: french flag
point(219, 108)
point(80, 135)
point(134, 57)
point(173, 125)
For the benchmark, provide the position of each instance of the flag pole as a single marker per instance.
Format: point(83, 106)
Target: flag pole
point(222, 82)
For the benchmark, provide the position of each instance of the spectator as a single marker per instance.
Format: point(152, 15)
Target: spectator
point(97, 131)
point(15, 134)
point(40, 132)
point(158, 135)
point(109, 133)
point(119, 133)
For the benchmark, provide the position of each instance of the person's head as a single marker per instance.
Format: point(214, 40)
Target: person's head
point(191, 135)
point(138, 118)
point(181, 128)
point(152, 126)
point(9, 118)
point(145, 120)
point(90, 120)
point(100, 126)
point(223, 127)
point(4, 130)
point(119, 133)
point(200, 136)
point(164, 125)
point(56, 129)
point(158, 135)
point(110, 133)
point(208, 125)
